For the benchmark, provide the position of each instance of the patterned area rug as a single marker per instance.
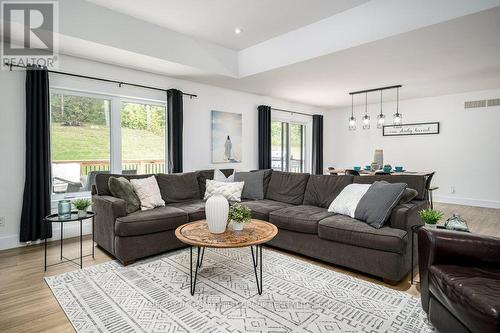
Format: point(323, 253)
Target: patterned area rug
point(298, 296)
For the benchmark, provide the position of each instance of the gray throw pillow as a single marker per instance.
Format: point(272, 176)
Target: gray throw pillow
point(254, 184)
point(376, 205)
point(121, 188)
point(408, 195)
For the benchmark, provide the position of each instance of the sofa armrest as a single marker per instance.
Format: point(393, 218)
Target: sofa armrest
point(444, 247)
point(405, 216)
point(107, 209)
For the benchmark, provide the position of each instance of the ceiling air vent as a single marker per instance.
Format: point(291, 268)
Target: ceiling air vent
point(475, 104)
point(494, 102)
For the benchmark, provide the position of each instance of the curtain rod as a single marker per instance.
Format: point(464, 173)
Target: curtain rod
point(120, 83)
point(375, 89)
point(281, 110)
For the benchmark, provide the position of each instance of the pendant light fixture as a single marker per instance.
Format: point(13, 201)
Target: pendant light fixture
point(397, 118)
point(352, 119)
point(366, 117)
point(381, 116)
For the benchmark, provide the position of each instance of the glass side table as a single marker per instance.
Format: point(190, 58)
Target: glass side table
point(54, 218)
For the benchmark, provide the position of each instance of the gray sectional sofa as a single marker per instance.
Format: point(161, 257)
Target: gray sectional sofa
point(296, 203)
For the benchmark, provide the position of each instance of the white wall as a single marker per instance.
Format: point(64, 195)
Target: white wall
point(197, 124)
point(465, 155)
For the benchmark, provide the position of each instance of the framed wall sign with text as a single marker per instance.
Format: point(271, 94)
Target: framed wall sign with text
point(411, 129)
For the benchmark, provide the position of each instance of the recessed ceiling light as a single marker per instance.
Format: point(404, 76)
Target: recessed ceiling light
point(237, 31)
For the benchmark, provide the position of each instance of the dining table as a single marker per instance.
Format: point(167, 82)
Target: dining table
point(364, 172)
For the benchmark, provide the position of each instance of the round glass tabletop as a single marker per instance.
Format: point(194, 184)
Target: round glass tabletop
point(74, 217)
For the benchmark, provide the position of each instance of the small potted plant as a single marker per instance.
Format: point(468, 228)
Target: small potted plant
point(239, 215)
point(81, 205)
point(430, 217)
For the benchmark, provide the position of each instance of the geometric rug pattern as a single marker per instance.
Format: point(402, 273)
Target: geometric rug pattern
point(298, 296)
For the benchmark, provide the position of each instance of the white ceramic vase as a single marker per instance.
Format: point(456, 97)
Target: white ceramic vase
point(82, 213)
point(216, 210)
point(431, 226)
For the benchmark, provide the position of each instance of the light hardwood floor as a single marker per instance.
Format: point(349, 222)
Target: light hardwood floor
point(27, 304)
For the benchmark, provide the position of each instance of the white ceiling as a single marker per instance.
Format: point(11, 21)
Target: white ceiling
point(432, 47)
point(215, 20)
point(456, 56)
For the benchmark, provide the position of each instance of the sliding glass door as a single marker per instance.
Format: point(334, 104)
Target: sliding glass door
point(288, 146)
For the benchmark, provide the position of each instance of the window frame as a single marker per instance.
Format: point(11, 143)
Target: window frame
point(115, 137)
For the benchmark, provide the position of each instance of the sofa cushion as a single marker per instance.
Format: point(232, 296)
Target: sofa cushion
point(470, 293)
point(299, 218)
point(267, 178)
point(415, 182)
point(195, 209)
point(287, 187)
point(322, 189)
point(150, 221)
point(344, 229)
point(101, 181)
point(261, 208)
point(179, 187)
point(203, 175)
point(253, 189)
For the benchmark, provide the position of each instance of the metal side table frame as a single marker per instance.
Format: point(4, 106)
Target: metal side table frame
point(73, 218)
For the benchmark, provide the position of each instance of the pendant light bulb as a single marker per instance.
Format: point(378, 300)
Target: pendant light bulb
point(381, 116)
point(352, 119)
point(397, 118)
point(366, 117)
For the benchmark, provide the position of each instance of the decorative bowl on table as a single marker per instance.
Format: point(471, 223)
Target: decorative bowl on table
point(399, 169)
point(357, 168)
point(368, 167)
point(387, 168)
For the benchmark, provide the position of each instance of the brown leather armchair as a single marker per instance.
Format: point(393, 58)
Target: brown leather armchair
point(460, 280)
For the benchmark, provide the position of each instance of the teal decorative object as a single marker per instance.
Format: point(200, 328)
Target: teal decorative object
point(64, 209)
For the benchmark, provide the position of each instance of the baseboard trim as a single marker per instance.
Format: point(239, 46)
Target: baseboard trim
point(467, 201)
point(70, 231)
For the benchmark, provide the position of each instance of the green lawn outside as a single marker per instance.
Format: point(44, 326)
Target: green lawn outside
point(89, 142)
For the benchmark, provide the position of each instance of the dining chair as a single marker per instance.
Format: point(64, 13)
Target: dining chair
point(430, 189)
point(351, 172)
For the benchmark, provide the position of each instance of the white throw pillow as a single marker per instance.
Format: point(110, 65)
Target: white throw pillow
point(148, 192)
point(221, 177)
point(347, 201)
point(231, 191)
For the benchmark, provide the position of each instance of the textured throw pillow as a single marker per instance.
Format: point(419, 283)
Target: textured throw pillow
point(346, 202)
point(376, 205)
point(231, 191)
point(254, 184)
point(148, 192)
point(120, 187)
point(220, 177)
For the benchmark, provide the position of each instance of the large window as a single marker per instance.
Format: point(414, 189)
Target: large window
point(288, 142)
point(93, 134)
point(143, 138)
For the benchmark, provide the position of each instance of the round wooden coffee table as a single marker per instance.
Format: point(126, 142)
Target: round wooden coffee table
point(254, 234)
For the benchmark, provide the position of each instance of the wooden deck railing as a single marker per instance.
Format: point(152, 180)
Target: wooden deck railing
point(142, 166)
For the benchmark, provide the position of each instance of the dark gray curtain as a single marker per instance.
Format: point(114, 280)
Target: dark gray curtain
point(317, 145)
point(36, 197)
point(174, 123)
point(264, 137)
